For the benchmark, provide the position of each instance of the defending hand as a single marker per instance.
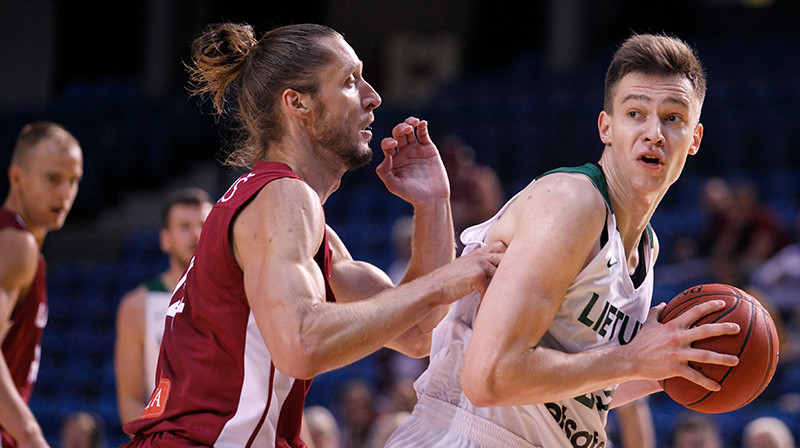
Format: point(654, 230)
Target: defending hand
point(471, 272)
point(411, 168)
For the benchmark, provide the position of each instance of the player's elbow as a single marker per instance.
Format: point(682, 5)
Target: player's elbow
point(479, 387)
point(413, 344)
point(300, 364)
point(301, 359)
point(416, 349)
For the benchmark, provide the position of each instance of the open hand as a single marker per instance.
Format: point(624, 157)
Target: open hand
point(664, 350)
point(411, 168)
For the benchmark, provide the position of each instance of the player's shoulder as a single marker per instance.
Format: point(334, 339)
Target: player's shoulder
point(20, 253)
point(572, 190)
point(133, 302)
point(18, 242)
point(289, 208)
point(287, 192)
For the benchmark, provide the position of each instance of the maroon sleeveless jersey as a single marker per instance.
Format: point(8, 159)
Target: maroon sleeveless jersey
point(21, 346)
point(216, 384)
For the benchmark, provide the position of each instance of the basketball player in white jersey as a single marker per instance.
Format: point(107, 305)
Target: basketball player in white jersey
point(141, 312)
point(536, 362)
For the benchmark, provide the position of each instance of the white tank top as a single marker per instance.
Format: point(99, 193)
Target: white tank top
point(602, 308)
point(155, 312)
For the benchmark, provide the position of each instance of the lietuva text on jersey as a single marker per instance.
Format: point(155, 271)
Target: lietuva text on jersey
point(608, 321)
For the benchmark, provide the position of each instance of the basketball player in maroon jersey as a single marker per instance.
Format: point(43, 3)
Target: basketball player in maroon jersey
point(272, 296)
point(46, 167)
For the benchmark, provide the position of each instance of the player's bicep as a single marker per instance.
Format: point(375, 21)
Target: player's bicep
point(553, 232)
point(275, 239)
point(17, 269)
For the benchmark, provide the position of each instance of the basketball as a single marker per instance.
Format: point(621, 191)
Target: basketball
point(756, 345)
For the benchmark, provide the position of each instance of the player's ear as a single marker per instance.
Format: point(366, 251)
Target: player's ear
point(604, 127)
point(14, 174)
point(697, 137)
point(164, 241)
point(296, 103)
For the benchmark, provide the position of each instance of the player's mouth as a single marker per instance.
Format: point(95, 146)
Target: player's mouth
point(651, 160)
point(366, 130)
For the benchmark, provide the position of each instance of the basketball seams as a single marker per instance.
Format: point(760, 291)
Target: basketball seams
point(666, 316)
point(770, 370)
point(751, 344)
point(741, 350)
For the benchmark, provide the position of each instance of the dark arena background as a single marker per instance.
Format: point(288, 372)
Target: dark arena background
point(520, 83)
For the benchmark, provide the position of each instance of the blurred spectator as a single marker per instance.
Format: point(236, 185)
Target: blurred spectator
point(385, 426)
point(357, 413)
point(767, 432)
point(476, 193)
point(741, 231)
point(635, 425)
point(716, 201)
point(322, 426)
point(82, 430)
point(695, 430)
point(779, 279)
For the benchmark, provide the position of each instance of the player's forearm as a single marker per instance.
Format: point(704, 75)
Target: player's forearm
point(129, 407)
point(332, 335)
point(15, 416)
point(433, 240)
point(541, 375)
point(416, 341)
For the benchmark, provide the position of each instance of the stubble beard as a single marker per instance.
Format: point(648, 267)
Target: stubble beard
point(335, 138)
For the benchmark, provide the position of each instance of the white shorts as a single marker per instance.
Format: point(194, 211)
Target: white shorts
point(436, 423)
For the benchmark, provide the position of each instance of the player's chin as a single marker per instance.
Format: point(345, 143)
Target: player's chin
point(360, 157)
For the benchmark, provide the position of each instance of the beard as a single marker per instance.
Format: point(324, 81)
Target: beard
point(339, 140)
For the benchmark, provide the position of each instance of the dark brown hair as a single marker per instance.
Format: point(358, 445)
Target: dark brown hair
point(652, 54)
point(184, 196)
point(229, 62)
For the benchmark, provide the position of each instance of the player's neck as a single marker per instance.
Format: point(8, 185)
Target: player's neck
point(39, 232)
point(322, 173)
point(172, 276)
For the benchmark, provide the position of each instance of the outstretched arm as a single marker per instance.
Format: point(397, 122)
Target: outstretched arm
point(285, 288)
point(413, 170)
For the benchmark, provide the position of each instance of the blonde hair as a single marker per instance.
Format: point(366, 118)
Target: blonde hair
point(33, 133)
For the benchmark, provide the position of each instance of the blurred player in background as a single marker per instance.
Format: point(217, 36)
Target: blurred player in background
point(46, 167)
point(141, 313)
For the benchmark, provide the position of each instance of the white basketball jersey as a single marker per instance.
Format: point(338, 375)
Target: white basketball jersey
point(602, 308)
point(155, 312)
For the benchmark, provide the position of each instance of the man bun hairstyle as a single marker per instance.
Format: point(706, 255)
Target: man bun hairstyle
point(245, 77)
point(654, 54)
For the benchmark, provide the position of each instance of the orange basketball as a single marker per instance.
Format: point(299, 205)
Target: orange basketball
point(756, 345)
